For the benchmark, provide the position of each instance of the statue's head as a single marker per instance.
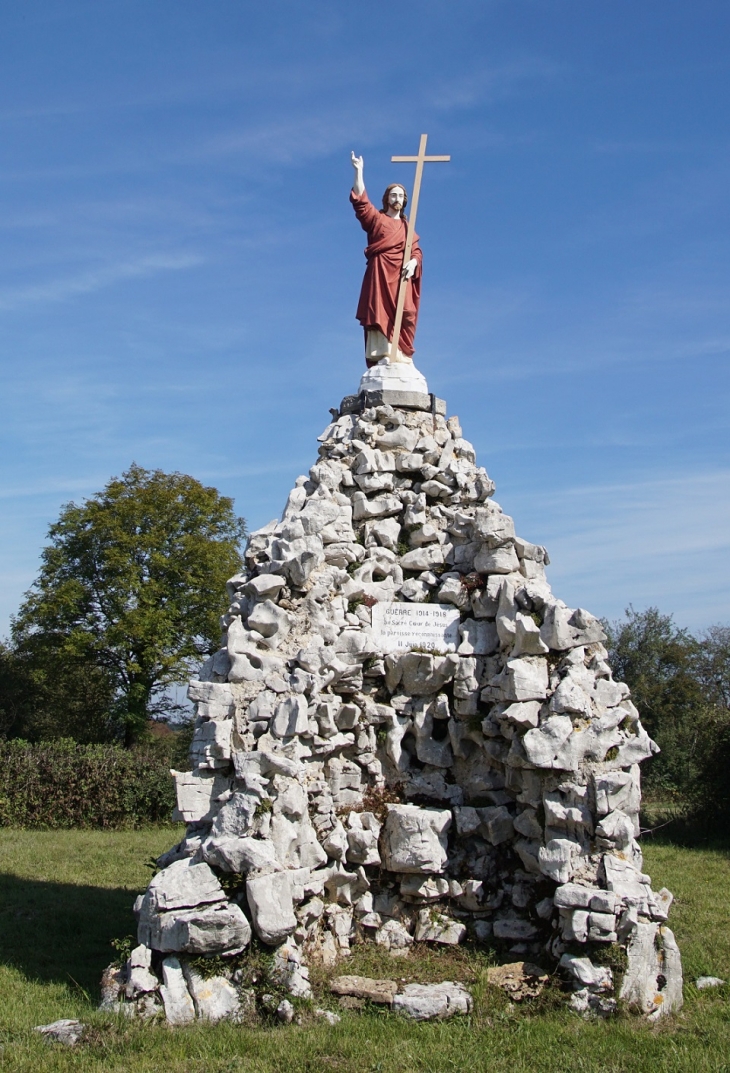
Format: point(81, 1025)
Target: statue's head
point(395, 198)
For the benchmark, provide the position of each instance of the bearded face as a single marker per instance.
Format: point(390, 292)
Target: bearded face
point(396, 200)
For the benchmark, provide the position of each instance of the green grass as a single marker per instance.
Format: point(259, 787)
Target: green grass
point(66, 894)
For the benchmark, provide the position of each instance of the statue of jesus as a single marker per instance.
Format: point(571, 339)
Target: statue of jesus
point(386, 230)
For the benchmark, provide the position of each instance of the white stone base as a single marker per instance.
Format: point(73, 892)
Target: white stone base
point(402, 376)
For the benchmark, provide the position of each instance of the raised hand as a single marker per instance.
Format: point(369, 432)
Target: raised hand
point(358, 184)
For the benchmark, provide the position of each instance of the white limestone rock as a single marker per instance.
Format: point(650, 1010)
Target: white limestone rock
point(285, 1011)
point(564, 628)
point(425, 558)
point(211, 746)
point(416, 889)
point(395, 937)
point(522, 714)
point(385, 532)
point(502, 560)
point(362, 838)
point(182, 885)
point(653, 979)
point(290, 717)
point(617, 790)
point(523, 679)
point(213, 700)
point(433, 927)
point(496, 824)
point(420, 673)
point(197, 795)
point(574, 925)
point(429, 1002)
point(380, 506)
point(617, 828)
point(214, 998)
point(556, 859)
point(589, 1004)
point(573, 896)
point(235, 817)
point(268, 619)
point(241, 855)
point(140, 978)
point(250, 660)
point(543, 744)
point(478, 637)
point(67, 1031)
point(265, 586)
point(212, 929)
point(179, 1007)
point(415, 839)
point(272, 910)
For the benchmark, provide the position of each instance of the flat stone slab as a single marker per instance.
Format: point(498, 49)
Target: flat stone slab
point(428, 1002)
point(65, 1031)
point(408, 400)
point(382, 991)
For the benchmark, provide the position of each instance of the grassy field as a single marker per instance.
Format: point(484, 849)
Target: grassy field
point(66, 894)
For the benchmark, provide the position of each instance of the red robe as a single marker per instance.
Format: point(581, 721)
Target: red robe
point(384, 255)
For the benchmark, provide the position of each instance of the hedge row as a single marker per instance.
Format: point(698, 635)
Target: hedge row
point(63, 784)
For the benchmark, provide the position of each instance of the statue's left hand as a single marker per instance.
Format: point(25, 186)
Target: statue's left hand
point(410, 268)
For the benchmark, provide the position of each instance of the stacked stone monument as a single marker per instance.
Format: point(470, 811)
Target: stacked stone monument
point(405, 738)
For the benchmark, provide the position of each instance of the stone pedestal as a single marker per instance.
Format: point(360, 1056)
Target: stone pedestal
point(407, 738)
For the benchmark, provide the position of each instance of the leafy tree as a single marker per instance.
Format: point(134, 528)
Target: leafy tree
point(710, 794)
point(681, 685)
point(658, 661)
point(131, 585)
point(714, 664)
point(45, 694)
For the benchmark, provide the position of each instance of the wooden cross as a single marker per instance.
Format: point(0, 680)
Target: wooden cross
point(419, 161)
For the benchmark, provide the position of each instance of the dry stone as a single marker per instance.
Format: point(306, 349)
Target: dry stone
point(270, 902)
point(429, 1002)
point(380, 991)
point(415, 839)
point(67, 1030)
point(179, 1007)
point(215, 998)
point(404, 737)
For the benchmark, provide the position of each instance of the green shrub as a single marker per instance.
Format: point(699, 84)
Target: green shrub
point(64, 784)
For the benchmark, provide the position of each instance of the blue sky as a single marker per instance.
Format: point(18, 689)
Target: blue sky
point(181, 266)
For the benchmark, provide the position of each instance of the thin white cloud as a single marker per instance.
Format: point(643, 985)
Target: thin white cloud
point(663, 541)
point(490, 83)
point(59, 290)
point(649, 145)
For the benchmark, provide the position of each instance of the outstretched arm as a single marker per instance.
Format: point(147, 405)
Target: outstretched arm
point(358, 186)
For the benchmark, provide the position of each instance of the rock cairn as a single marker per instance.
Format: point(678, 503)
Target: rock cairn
point(487, 790)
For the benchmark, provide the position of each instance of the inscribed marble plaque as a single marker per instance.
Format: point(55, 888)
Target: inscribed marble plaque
point(399, 626)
